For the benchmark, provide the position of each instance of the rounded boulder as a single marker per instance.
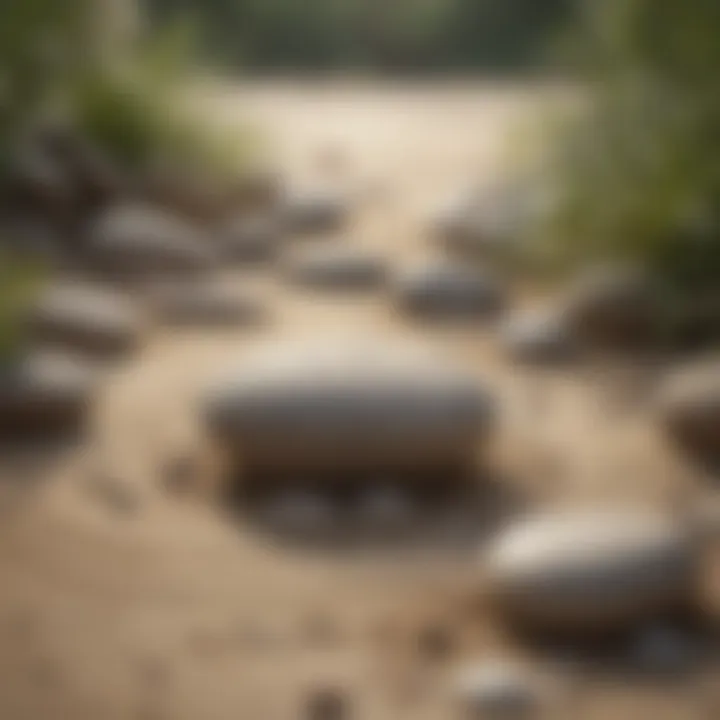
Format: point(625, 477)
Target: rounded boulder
point(88, 321)
point(201, 304)
point(45, 395)
point(336, 268)
point(349, 409)
point(592, 570)
point(689, 409)
point(141, 241)
point(315, 212)
point(449, 291)
point(613, 307)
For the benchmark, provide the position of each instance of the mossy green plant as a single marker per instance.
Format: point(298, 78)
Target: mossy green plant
point(20, 283)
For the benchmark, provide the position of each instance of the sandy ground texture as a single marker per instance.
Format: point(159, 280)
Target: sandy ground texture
point(127, 593)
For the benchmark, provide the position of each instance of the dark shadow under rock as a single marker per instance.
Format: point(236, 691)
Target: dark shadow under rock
point(453, 517)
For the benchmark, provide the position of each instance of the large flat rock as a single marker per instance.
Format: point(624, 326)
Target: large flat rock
point(348, 406)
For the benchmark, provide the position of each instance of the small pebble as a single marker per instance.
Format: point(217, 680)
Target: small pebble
point(435, 642)
point(327, 704)
point(115, 494)
point(496, 691)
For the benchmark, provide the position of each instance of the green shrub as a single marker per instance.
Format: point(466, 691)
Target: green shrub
point(124, 94)
point(639, 171)
point(138, 112)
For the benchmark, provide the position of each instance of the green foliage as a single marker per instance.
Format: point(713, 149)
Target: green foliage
point(20, 281)
point(639, 171)
point(40, 51)
point(124, 94)
point(138, 112)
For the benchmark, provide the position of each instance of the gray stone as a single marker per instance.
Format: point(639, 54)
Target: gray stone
point(45, 395)
point(315, 211)
point(490, 223)
point(538, 337)
point(497, 691)
point(592, 570)
point(140, 241)
point(87, 321)
point(355, 407)
point(250, 239)
point(336, 268)
point(328, 704)
point(258, 190)
point(449, 291)
point(613, 307)
point(689, 409)
point(205, 304)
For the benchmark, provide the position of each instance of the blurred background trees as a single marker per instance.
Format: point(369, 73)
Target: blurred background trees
point(409, 35)
point(637, 174)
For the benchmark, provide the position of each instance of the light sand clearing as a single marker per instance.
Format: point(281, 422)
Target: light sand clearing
point(177, 610)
